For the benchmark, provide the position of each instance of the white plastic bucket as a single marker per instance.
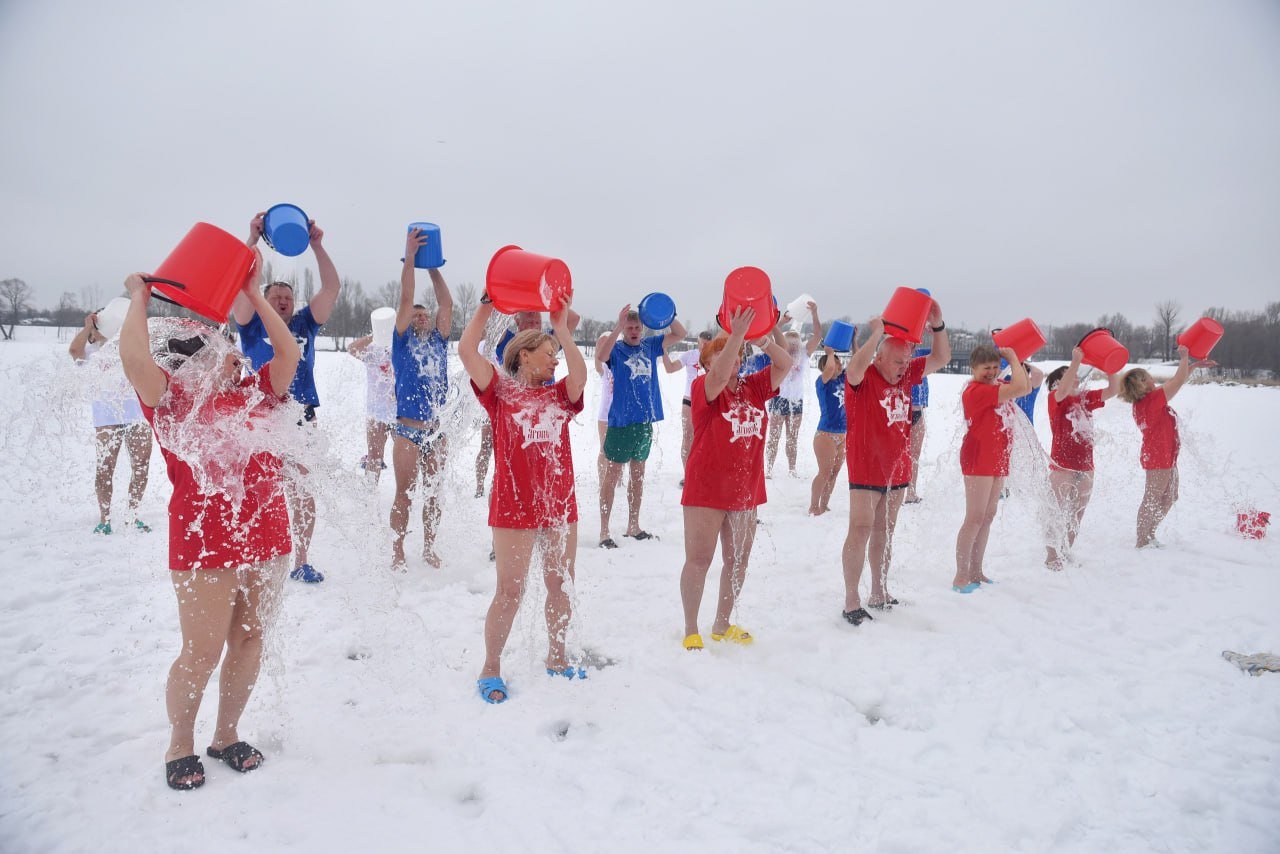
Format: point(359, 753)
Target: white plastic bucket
point(383, 321)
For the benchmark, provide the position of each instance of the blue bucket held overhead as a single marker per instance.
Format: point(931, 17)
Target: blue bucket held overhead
point(286, 229)
point(430, 255)
point(657, 311)
point(839, 336)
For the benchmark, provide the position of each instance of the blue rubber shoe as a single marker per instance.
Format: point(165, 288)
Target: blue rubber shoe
point(989, 581)
point(102, 528)
point(141, 526)
point(569, 672)
point(308, 574)
point(489, 685)
point(967, 588)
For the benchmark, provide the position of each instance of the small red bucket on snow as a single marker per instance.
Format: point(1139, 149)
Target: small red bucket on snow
point(1252, 524)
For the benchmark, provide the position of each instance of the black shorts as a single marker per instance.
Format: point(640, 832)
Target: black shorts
point(688, 402)
point(883, 490)
point(308, 415)
point(784, 407)
point(916, 415)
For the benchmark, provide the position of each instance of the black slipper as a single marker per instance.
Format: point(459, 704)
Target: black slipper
point(187, 766)
point(641, 535)
point(886, 605)
point(237, 754)
point(608, 543)
point(856, 617)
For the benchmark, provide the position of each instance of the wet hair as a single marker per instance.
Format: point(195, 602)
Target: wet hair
point(1055, 377)
point(266, 289)
point(793, 335)
point(419, 305)
point(529, 339)
point(633, 315)
point(187, 347)
point(822, 361)
point(1129, 392)
point(983, 354)
point(886, 343)
point(710, 350)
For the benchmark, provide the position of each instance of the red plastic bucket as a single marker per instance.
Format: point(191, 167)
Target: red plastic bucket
point(1201, 337)
point(1103, 351)
point(1024, 337)
point(1253, 523)
point(906, 314)
point(204, 272)
point(522, 281)
point(749, 287)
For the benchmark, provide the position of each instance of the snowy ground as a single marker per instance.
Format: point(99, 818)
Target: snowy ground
point(1083, 711)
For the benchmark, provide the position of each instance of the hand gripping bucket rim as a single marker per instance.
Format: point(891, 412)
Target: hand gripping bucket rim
point(1026, 338)
point(844, 342)
point(526, 281)
point(1097, 354)
point(1203, 336)
point(907, 313)
point(290, 247)
point(657, 310)
point(204, 272)
point(429, 253)
point(742, 278)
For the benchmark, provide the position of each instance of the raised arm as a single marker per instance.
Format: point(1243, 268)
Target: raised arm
point(940, 351)
point(1019, 384)
point(674, 335)
point(404, 311)
point(444, 303)
point(832, 366)
point(604, 346)
point(1067, 385)
point(357, 347)
point(476, 365)
point(600, 368)
point(140, 369)
point(87, 334)
point(775, 347)
point(1035, 376)
point(284, 364)
point(815, 340)
point(722, 367)
point(861, 358)
point(322, 303)
point(669, 363)
point(242, 308)
point(1113, 386)
point(1185, 367)
point(576, 381)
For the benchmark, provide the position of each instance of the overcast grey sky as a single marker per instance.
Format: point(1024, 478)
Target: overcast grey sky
point(1053, 159)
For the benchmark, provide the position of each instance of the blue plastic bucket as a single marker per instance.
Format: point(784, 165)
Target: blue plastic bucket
point(657, 311)
point(286, 229)
point(430, 254)
point(839, 336)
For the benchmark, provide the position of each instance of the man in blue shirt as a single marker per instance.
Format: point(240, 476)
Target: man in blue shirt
point(304, 324)
point(637, 403)
point(1027, 403)
point(420, 360)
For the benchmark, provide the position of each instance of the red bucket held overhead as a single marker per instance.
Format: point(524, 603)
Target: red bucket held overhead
point(907, 313)
point(204, 272)
point(1252, 524)
point(1201, 337)
point(522, 281)
point(1104, 352)
point(749, 287)
point(1023, 337)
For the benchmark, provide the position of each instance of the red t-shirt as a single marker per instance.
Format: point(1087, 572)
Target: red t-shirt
point(1072, 426)
point(878, 427)
point(533, 470)
point(1159, 425)
point(986, 446)
point(208, 531)
point(726, 460)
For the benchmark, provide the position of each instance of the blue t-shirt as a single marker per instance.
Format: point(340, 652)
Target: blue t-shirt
point(753, 363)
point(920, 391)
point(254, 343)
point(1027, 403)
point(637, 398)
point(501, 350)
point(421, 366)
point(831, 404)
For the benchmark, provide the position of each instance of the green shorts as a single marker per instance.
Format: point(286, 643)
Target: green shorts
point(625, 444)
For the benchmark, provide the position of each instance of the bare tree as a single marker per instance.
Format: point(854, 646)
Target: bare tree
point(1167, 313)
point(15, 298)
point(90, 297)
point(465, 300)
point(308, 284)
point(387, 295)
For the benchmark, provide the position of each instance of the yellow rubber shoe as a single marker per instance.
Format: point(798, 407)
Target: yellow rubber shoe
point(693, 642)
point(734, 634)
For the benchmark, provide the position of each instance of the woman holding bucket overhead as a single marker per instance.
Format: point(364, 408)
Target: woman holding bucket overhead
point(787, 408)
point(984, 454)
point(228, 525)
point(532, 506)
point(420, 359)
point(724, 480)
point(1160, 443)
point(828, 440)
point(1071, 409)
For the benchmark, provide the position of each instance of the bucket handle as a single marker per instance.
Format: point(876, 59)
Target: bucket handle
point(153, 280)
point(894, 325)
point(1091, 331)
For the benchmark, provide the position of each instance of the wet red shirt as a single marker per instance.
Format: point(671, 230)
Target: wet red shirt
point(1072, 424)
point(986, 446)
point(1159, 425)
point(878, 427)
point(533, 463)
point(207, 531)
point(726, 460)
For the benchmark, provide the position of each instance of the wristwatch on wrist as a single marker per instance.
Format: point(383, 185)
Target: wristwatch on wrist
point(939, 327)
point(485, 299)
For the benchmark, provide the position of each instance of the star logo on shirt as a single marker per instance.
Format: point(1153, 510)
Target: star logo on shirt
point(639, 365)
point(897, 407)
point(541, 425)
point(747, 421)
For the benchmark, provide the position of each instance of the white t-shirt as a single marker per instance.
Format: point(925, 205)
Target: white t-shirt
point(606, 394)
point(794, 383)
point(114, 400)
point(692, 369)
point(380, 384)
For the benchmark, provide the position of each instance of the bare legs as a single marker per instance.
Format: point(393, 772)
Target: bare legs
point(736, 532)
point(136, 438)
point(302, 510)
point(917, 446)
point(408, 462)
point(376, 436)
point(219, 609)
point(1073, 490)
point(686, 435)
point(635, 495)
point(873, 515)
point(482, 457)
point(791, 423)
point(514, 552)
point(1157, 500)
point(828, 448)
point(982, 496)
point(601, 461)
